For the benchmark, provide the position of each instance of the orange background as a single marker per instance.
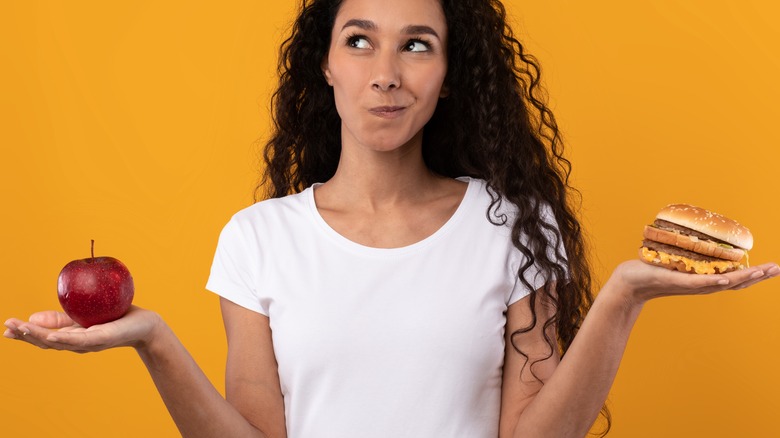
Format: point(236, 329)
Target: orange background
point(135, 125)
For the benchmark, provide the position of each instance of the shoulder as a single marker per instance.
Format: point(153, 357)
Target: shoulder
point(501, 210)
point(288, 207)
point(267, 218)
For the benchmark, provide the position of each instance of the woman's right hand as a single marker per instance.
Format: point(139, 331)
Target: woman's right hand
point(53, 329)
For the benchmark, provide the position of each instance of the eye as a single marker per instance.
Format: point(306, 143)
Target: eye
point(358, 42)
point(417, 45)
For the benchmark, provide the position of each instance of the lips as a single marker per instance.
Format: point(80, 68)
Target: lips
point(387, 112)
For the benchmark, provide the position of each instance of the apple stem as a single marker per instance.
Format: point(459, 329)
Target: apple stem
point(92, 249)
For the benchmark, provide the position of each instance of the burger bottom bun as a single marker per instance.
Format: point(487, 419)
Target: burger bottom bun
point(704, 247)
point(684, 264)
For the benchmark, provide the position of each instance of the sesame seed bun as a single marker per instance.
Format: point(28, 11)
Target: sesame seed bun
point(694, 240)
point(709, 223)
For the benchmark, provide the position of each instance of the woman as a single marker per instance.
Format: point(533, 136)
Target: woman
point(419, 271)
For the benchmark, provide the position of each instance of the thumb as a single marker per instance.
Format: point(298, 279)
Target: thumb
point(51, 319)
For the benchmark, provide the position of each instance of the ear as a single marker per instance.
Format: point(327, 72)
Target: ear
point(326, 71)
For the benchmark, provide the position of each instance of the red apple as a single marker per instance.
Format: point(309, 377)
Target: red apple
point(95, 290)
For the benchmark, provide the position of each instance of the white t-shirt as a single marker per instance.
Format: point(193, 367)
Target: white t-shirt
point(372, 342)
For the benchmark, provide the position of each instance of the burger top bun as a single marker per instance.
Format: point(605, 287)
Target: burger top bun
point(708, 222)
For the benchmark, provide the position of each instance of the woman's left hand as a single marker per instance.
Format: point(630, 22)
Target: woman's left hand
point(642, 282)
point(53, 329)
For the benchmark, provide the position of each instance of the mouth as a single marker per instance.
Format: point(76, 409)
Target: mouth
point(387, 112)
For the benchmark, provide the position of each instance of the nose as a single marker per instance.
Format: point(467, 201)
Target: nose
point(386, 74)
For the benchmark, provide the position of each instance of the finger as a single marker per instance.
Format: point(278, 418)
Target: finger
point(32, 334)
point(750, 282)
point(771, 269)
point(707, 284)
point(771, 272)
point(72, 328)
point(767, 266)
point(51, 319)
point(735, 278)
point(700, 284)
point(744, 278)
point(74, 338)
point(26, 332)
point(78, 341)
point(40, 337)
point(13, 323)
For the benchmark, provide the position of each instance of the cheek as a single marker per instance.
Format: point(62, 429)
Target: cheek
point(346, 81)
point(430, 85)
point(345, 98)
point(344, 71)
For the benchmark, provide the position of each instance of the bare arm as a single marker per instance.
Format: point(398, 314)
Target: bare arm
point(251, 378)
point(195, 405)
point(573, 391)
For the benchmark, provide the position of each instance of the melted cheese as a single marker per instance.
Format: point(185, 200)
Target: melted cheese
point(697, 266)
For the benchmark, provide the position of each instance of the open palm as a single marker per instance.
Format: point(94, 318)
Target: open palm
point(53, 329)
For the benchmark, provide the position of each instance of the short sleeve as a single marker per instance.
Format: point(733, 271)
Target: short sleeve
point(234, 268)
point(556, 252)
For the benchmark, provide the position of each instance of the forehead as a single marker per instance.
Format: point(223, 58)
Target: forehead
point(393, 15)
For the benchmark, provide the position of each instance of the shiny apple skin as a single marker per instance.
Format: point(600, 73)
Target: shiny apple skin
point(95, 290)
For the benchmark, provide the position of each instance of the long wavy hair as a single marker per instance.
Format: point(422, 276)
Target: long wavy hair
point(494, 125)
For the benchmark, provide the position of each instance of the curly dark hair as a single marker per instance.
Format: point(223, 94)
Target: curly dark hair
point(493, 125)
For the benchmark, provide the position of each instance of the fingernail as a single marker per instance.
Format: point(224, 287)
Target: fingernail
point(52, 338)
point(723, 281)
point(9, 334)
point(757, 274)
point(774, 270)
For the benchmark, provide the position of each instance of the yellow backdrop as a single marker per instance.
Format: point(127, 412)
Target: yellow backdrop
point(133, 124)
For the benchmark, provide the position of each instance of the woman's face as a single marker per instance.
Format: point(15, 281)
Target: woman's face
point(387, 62)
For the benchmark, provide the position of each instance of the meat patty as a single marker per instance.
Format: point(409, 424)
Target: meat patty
point(664, 225)
point(669, 249)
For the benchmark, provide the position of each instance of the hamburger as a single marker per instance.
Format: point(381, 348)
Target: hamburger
point(691, 239)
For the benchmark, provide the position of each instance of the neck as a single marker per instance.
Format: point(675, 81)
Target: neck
point(371, 179)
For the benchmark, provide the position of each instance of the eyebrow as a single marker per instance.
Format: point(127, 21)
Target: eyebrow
point(420, 30)
point(412, 29)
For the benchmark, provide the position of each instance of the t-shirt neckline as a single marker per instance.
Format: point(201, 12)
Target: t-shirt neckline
point(348, 244)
